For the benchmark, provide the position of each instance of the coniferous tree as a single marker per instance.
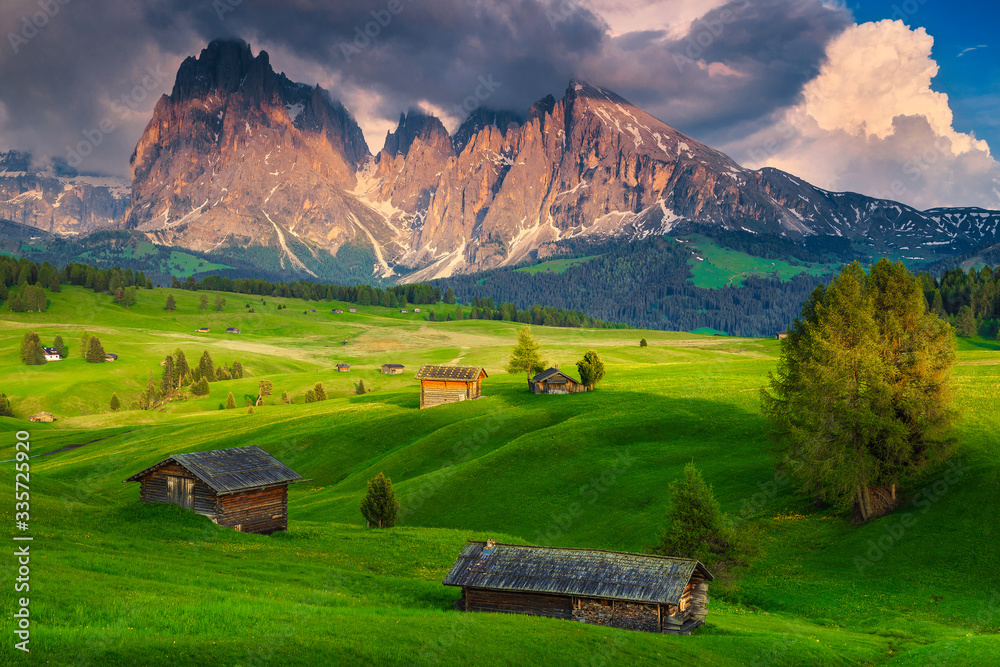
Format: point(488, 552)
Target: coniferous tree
point(591, 369)
point(965, 324)
point(181, 368)
point(449, 296)
point(264, 390)
point(220, 302)
point(862, 395)
point(169, 382)
point(319, 391)
point(5, 410)
point(115, 404)
point(230, 401)
point(311, 396)
point(237, 370)
point(16, 305)
point(380, 506)
point(642, 343)
point(526, 355)
point(95, 351)
point(203, 302)
point(696, 526)
point(84, 344)
point(31, 349)
point(201, 388)
point(206, 367)
point(361, 388)
point(60, 346)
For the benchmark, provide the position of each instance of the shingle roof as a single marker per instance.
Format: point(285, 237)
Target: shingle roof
point(231, 470)
point(548, 375)
point(462, 373)
point(612, 575)
point(393, 366)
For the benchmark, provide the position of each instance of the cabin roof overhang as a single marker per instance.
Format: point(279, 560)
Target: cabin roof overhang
point(553, 375)
point(454, 373)
point(229, 471)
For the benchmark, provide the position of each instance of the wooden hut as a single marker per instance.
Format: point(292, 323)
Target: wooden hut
point(781, 335)
point(244, 488)
point(352, 309)
point(338, 311)
point(42, 417)
point(233, 330)
point(202, 330)
point(110, 356)
point(612, 588)
point(392, 369)
point(554, 381)
point(344, 368)
point(449, 384)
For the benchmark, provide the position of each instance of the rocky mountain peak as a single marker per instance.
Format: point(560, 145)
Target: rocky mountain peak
point(482, 118)
point(413, 125)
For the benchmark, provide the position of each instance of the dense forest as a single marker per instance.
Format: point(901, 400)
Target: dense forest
point(970, 299)
point(646, 284)
point(23, 284)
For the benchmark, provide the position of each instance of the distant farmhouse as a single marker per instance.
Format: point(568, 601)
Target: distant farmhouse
point(781, 335)
point(416, 310)
point(244, 488)
point(404, 310)
point(392, 369)
point(233, 330)
point(352, 309)
point(344, 368)
point(110, 356)
point(42, 417)
point(338, 311)
point(611, 588)
point(202, 330)
point(449, 384)
point(51, 354)
point(554, 381)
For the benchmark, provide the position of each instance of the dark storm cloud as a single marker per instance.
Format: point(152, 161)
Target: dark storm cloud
point(737, 66)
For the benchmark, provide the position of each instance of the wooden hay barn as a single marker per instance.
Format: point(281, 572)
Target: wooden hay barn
point(244, 488)
point(233, 330)
point(781, 335)
point(338, 311)
point(449, 384)
point(392, 369)
point(42, 417)
point(612, 588)
point(202, 330)
point(110, 356)
point(344, 368)
point(554, 381)
point(352, 310)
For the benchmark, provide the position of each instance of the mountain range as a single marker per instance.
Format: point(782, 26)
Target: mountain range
point(239, 159)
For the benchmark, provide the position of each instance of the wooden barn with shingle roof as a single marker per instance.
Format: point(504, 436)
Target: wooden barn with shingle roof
point(244, 488)
point(449, 384)
point(613, 588)
point(554, 381)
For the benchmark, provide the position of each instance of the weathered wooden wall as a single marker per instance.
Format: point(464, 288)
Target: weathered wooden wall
point(439, 392)
point(553, 606)
point(153, 488)
point(262, 511)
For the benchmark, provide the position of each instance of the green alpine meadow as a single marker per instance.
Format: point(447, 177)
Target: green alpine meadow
point(113, 580)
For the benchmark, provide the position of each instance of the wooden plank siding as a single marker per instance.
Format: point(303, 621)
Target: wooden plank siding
point(264, 511)
point(153, 489)
point(552, 606)
point(439, 392)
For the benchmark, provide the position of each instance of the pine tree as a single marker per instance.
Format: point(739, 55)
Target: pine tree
point(220, 302)
point(379, 506)
point(95, 351)
point(526, 356)
point(206, 366)
point(60, 346)
point(31, 345)
point(361, 388)
point(285, 398)
point(169, 382)
point(171, 303)
point(642, 343)
point(696, 525)
point(115, 404)
point(591, 369)
point(264, 390)
point(237, 370)
point(84, 344)
point(203, 302)
point(181, 368)
point(449, 296)
point(230, 401)
point(201, 387)
point(5, 410)
point(319, 391)
point(311, 396)
point(965, 324)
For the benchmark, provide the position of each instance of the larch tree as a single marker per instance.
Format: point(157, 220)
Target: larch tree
point(319, 391)
point(526, 356)
point(95, 351)
point(591, 369)
point(230, 401)
point(169, 382)
point(115, 404)
point(207, 366)
point(862, 395)
point(5, 410)
point(171, 303)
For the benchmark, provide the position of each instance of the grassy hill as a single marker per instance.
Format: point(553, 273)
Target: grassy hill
point(117, 582)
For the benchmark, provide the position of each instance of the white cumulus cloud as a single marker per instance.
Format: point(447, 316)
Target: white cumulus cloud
point(871, 122)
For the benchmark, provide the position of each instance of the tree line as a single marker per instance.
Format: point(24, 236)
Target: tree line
point(970, 299)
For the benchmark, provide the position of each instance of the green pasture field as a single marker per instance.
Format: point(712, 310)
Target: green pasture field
point(719, 267)
point(117, 582)
point(557, 265)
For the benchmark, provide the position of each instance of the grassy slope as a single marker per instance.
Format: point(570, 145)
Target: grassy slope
point(117, 582)
point(557, 265)
point(719, 266)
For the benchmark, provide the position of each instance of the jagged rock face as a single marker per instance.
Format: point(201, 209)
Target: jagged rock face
point(238, 155)
point(59, 202)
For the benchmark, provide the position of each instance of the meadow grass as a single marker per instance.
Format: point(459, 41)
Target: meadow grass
point(118, 582)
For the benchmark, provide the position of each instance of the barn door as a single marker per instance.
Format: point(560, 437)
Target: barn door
point(180, 491)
